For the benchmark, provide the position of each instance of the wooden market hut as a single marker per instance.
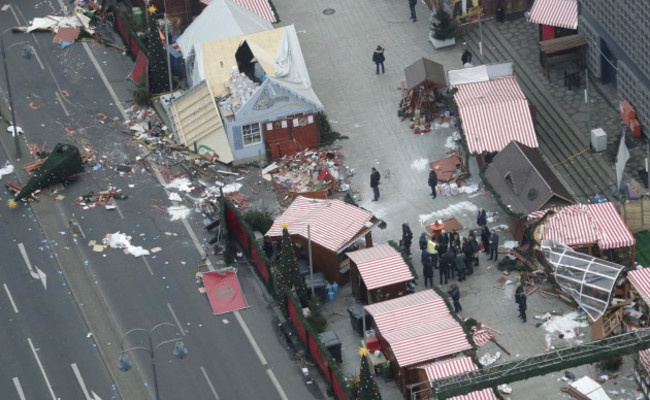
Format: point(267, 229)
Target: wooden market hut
point(415, 330)
point(423, 79)
point(334, 226)
point(378, 273)
point(492, 108)
point(521, 178)
point(638, 289)
point(596, 229)
point(556, 18)
point(442, 369)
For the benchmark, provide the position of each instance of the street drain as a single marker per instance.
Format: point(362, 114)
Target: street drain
point(329, 11)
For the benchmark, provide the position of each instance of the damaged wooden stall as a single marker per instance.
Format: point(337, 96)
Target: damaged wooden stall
point(334, 226)
point(420, 96)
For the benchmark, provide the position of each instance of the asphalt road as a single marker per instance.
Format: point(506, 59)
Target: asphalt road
point(58, 97)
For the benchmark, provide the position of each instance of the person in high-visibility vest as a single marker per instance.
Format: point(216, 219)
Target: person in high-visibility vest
point(432, 249)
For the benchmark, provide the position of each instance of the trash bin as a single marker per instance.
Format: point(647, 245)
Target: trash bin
point(331, 341)
point(319, 284)
point(357, 313)
point(386, 371)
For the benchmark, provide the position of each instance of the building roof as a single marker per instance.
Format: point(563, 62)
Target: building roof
point(423, 70)
point(418, 327)
point(333, 223)
point(456, 366)
point(560, 13)
point(494, 112)
point(524, 180)
point(640, 278)
point(381, 266)
point(585, 223)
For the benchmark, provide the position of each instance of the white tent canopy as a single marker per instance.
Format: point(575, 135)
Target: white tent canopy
point(221, 19)
point(589, 280)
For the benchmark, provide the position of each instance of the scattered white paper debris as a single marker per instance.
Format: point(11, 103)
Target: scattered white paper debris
point(566, 324)
point(6, 170)
point(121, 241)
point(175, 197)
point(178, 212)
point(182, 184)
point(420, 164)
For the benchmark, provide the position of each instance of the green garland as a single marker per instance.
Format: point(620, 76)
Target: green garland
point(275, 12)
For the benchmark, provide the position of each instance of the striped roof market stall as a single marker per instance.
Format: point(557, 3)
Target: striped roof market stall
point(381, 267)
point(418, 328)
point(456, 366)
point(644, 357)
point(494, 112)
point(581, 224)
point(640, 278)
point(560, 13)
point(259, 7)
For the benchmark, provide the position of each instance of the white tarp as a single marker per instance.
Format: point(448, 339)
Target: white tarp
point(467, 75)
point(590, 388)
point(621, 159)
point(290, 68)
point(55, 22)
point(221, 19)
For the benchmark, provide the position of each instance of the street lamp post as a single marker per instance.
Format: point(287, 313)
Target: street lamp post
point(125, 363)
point(27, 52)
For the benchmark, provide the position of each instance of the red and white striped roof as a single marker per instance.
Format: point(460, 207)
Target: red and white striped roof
point(640, 278)
point(380, 266)
point(586, 223)
point(259, 7)
point(418, 327)
point(560, 13)
point(457, 366)
point(333, 223)
point(644, 357)
point(493, 114)
point(481, 337)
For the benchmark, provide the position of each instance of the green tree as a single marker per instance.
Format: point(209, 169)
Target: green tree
point(443, 26)
point(157, 57)
point(287, 273)
point(367, 386)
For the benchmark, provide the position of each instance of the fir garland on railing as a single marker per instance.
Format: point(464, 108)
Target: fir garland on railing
point(406, 258)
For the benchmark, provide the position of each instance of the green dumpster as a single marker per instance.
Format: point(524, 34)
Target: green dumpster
point(386, 371)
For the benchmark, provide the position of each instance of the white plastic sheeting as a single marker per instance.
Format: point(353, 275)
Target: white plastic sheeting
point(589, 280)
point(54, 22)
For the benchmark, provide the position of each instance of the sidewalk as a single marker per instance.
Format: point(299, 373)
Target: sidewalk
point(362, 105)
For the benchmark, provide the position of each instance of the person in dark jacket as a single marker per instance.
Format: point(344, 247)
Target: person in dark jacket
point(375, 177)
point(494, 245)
point(427, 268)
point(454, 293)
point(443, 241)
point(520, 299)
point(433, 182)
point(449, 260)
point(466, 58)
point(475, 249)
point(423, 241)
point(481, 218)
point(485, 239)
point(454, 241)
point(467, 251)
point(378, 58)
point(407, 237)
point(461, 266)
point(412, 4)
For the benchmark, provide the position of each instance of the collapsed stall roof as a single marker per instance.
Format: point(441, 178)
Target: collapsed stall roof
point(589, 280)
point(581, 224)
point(560, 13)
point(457, 366)
point(333, 224)
point(425, 70)
point(381, 266)
point(260, 7)
point(524, 181)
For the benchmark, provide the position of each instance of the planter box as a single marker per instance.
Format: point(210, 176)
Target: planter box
point(441, 43)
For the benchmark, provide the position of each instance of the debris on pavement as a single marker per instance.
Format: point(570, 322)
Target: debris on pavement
point(119, 240)
point(103, 198)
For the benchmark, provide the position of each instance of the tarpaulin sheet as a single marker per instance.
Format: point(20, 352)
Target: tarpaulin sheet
point(223, 291)
point(140, 68)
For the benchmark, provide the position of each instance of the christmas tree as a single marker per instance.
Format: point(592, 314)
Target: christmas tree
point(367, 386)
point(157, 57)
point(442, 25)
point(286, 268)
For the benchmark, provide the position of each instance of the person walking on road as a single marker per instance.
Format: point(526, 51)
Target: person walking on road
point(378, 58)
point(476, 250)
point(427, 268)
point(423, 241)
point(494, 245)
point(433, 182)
point(461, 266)
point(412, 4)
point(407, 237)
point(449, 258)
point(454, 293)
point(481, 218)
point(375, 178)
point(520, 298)
point(485, 239)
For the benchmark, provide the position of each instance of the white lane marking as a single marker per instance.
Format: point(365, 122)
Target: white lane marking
point(77, 374)
point(116, 100)
point(38, 361)
point(277, 385)
point(144, 259)
point(11, 299)
point(205, 375)
point(34, 271)
point(178, 323)
point(248, 334)
point(19, 388)
point(65, 110)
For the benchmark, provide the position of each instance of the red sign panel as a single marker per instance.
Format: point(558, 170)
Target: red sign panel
point(223, 291)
